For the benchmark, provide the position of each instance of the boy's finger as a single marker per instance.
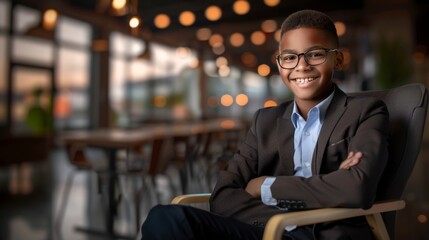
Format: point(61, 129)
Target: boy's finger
point(352, 160)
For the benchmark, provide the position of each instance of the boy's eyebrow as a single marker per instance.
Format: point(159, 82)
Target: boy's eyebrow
point(308, 49)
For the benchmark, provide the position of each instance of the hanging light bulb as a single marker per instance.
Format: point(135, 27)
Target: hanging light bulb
point(134, 22)
point(46, 27)
point(119, 4)
point(50, 19)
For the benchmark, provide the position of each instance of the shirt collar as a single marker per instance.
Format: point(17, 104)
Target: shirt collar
point(322, 107)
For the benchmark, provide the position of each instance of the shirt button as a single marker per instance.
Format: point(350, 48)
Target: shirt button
point(307, 164)
point(307, 133)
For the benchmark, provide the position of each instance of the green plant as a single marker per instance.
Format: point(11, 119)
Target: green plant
point(393, 66)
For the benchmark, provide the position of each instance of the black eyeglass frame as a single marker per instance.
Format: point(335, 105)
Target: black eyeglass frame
point(327, 51)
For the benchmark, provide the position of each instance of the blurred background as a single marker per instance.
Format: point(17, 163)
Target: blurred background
point(84, 65)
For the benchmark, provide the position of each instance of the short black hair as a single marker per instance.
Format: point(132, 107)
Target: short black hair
point(311, 19)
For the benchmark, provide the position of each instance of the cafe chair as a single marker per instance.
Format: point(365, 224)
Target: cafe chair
point(407, 107)
point(80, 161)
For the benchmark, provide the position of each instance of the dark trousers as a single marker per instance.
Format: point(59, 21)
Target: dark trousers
point(184, 222)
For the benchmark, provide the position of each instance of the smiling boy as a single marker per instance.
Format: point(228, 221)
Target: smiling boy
point(323, 149)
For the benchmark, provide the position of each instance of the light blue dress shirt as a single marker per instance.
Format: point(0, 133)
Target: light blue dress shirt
point(305, 139)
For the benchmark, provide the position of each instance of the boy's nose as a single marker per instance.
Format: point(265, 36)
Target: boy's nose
point(302, 64)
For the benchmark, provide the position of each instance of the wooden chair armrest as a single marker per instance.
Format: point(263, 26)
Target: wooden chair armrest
point(191, 198)
point(276, 224)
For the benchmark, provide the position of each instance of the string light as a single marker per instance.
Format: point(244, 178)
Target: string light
point(241, 99)
point(264, 70)
point(224, 71)
point(215, 40)
point(241, 7)
point(271, 3)
point(221, 61)
point(203, 34)
point(213, 13)
point(341, 28)
point(270, 103)
point(226, 100)
point(269, 26)
point(257, 38)
point(218, 49)
point(236, 39)
point(249, 59)
point(162, 21)
point(187, 18)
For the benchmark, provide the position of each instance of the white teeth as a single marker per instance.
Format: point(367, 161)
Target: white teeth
point(304, 80)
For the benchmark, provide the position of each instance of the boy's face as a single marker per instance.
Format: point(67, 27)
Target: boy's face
point(309, 84)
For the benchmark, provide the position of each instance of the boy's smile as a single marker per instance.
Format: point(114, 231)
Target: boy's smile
point(310, 84)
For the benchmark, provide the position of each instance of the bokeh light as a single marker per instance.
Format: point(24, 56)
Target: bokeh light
point(213, 13)
point(187, 18)
point(241, 7)
point(162, 21)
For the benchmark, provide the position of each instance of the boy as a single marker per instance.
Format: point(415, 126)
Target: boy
point(324, 149)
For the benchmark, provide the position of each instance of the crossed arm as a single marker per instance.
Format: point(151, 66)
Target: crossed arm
point(254, 185)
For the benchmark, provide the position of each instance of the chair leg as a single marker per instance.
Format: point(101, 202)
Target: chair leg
point(155, 187)
point(138, 197)
point(62, 209)
point(378, 228)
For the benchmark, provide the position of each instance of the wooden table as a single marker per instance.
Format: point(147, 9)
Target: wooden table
point(111, 140)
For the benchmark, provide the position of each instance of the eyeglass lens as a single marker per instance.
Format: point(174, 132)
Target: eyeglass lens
point(312, 57)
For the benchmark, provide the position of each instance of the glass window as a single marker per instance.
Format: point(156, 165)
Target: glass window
point(278, 89)
point(122, 45)
point(38, 52)
point(71, 109)
point(222, 92)
point(74, 31)
point(157, 88)
point(25, 18)
point(169, 61)
point(4, 15)
point(25, 83)
point(117, 91)
point(256, 88)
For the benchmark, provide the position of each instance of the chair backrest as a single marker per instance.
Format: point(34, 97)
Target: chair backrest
point(407, 106)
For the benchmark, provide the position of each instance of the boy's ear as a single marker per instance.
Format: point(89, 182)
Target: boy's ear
point(339, 61)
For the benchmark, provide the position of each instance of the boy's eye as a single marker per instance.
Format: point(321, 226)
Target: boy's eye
point(316, 54)
point(288, 57)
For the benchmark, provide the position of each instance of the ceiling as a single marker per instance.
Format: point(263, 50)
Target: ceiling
point(230, 22)
point(351, 12)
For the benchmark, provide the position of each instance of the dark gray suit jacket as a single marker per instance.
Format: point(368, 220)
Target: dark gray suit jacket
point(351, 124)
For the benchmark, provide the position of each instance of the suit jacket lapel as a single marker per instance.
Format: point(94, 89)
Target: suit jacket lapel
point(335, 110)
point(285, 146)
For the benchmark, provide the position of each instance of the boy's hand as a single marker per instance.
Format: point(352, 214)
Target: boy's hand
point(352, 160)
point(254, 186)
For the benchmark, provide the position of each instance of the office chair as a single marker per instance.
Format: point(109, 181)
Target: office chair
point(407, 106)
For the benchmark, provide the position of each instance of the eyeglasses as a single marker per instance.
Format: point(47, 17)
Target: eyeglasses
point(312, 57)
